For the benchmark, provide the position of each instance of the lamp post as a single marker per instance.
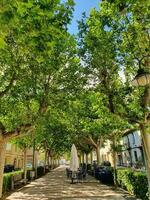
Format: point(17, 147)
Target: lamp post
point(143, 79)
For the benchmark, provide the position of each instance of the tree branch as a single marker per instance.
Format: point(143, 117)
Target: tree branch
point(8, 87)
point(90, 141)
point(17, 132)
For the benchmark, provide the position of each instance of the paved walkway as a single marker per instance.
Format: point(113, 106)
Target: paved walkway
point(55, 186)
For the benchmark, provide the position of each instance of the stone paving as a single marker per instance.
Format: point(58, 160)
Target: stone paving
point(55, 186)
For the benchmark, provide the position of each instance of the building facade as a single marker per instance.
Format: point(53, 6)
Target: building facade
point(131, 155)
point(132, 150)
point(14, 156)
point(105, 152)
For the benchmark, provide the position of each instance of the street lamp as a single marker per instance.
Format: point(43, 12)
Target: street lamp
point(141, 79)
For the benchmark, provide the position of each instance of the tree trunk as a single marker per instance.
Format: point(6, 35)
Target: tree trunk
point(25, 164)
point(33, 158)
point(91, 155)
point(82, 158)
point(114, 154)
point(52, 162)
point(98, 155)
point(146, 145)
point(2, 163)
point(36, 163)
point(48, 159)
point(86, 159)
point(45, 160)
point(57, 162)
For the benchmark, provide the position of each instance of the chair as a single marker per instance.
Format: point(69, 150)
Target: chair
point(69, 173)
point(79, 176)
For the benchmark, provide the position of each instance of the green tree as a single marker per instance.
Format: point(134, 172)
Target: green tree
point(130, 20)
point(98, 48)
point(24, 143)
point(36, 55)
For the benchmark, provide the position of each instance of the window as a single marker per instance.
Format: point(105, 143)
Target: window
point(120, 160)
point(133, 138)
point(8, 147)
point(125, 158)
point(135, 155)
point(16, 148)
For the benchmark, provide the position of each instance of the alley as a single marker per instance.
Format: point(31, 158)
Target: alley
point(55, 186)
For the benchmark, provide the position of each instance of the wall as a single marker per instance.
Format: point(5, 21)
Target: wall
point(132, 153)
point(14, 156)
point(105, 152)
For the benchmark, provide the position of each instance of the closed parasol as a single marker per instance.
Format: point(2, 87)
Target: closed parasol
point(74, 162)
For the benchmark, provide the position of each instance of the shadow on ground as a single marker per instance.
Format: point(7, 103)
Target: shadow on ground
point(55, 186)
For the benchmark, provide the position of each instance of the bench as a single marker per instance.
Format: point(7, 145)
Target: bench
point(17, 180)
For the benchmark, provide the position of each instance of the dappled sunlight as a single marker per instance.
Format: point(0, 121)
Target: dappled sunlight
point(23, 196)
point(56, 186)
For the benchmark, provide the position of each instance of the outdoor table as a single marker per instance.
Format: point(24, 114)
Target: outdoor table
point(73, 176)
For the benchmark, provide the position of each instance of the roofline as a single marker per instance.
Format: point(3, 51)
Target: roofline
point(130, 131)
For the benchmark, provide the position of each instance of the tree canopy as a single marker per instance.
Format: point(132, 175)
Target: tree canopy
point(65, 90)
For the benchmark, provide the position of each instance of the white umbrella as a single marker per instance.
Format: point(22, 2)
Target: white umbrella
point(74, 162)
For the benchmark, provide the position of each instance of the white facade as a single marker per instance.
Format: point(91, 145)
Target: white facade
point(132, 151)
point(131, 154)
point(105, 152)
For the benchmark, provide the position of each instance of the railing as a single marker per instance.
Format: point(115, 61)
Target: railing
point(132, 165)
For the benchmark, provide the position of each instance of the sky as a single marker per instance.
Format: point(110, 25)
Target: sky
point(80, 7)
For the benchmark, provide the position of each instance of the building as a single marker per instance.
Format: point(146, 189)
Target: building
point(14, 156)
point(132, 150)
point(106, 153)
point(131, 154)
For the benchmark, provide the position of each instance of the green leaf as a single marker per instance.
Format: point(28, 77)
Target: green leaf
point(2, 43)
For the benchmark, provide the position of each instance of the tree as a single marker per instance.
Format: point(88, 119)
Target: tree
point(34, 49)
point(99, 48)
point(88, 115)
point(24, 143)
point(83, 148)
point(131, 27)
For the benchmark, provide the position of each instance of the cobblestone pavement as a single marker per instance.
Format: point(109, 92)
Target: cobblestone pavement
point(55, 186)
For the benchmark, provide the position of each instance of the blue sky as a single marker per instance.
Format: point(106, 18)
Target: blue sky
point(80, 7)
